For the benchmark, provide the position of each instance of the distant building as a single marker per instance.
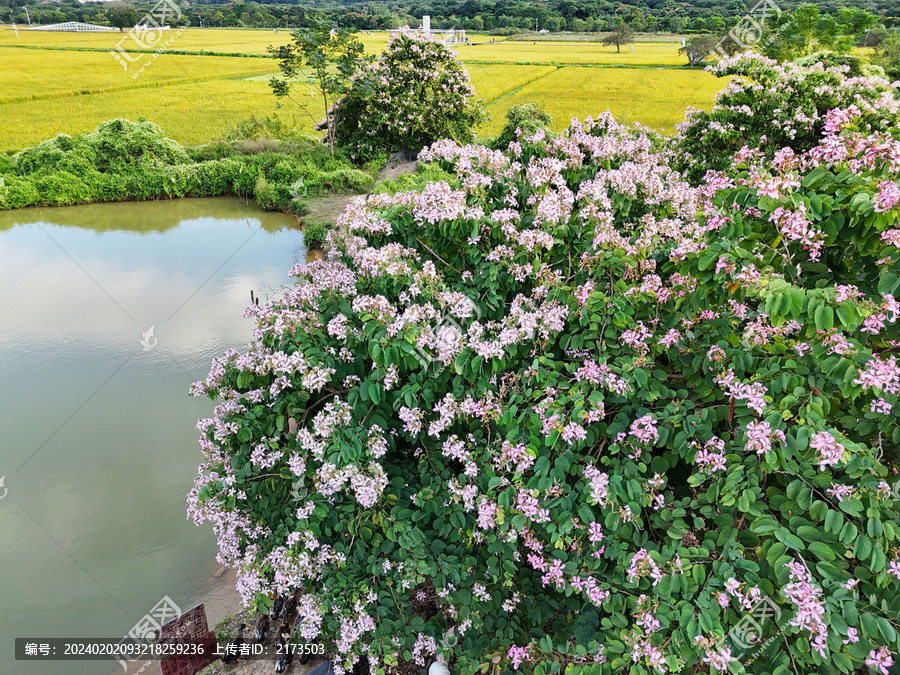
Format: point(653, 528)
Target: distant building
point(450, 36)
point(75, 27)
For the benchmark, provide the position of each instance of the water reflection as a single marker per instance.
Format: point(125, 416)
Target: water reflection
point(99, 446)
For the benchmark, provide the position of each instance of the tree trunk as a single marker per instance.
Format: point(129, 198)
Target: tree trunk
point(618, 48)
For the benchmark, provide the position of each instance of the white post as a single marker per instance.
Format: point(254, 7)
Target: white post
point(426, 24)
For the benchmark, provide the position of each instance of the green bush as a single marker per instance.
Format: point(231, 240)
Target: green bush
point(526, 119)
point(125, 160)
point(120, 144)
point(344, 180)
point(406, 182)
point(314, 235)
point(217, 177)
point(16, 193)
point(268, 195)
point(62, 189)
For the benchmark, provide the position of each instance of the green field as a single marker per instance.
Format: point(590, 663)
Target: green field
point(69, 82)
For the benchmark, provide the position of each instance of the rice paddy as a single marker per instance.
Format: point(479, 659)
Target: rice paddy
point(654, 98)
point(68, 82)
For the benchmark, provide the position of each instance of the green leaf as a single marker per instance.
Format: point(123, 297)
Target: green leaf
point(821, 550)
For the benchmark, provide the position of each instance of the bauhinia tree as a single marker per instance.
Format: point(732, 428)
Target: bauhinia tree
point(417, 92)
point(568, 411)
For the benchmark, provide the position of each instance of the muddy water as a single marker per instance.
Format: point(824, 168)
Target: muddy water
point(107, 314)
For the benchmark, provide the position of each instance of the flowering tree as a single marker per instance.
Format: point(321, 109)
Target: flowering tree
point(416, 93)
point(632, 426)
point(769, 106)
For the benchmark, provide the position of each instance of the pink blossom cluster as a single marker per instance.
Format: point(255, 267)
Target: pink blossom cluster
point(809, 604)
point(830, 450)
point(760, 436)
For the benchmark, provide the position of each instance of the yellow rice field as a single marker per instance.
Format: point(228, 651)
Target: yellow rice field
point(192, 113)
point(193, 39)
point(655, 98)
point(646, 53)
point(196, 98)
point(31, 74)
point(256, 42)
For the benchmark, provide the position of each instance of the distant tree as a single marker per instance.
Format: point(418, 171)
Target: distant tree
point(806, 31)
point(332, 56)
point(698, 48)
point(121, 15)
point(873, 37)
point(621, 35)
point(889, 56)
point(725, 43)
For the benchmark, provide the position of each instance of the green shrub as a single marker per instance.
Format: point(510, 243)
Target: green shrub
point(342, 180)
point(217, 177)
point(110, 187)
point(120, 144)
point(125, 160)
point(268, 195)
point(16, 193)
point(62, 189)
point(406, 182)
point(314, 235)
point(527, 119)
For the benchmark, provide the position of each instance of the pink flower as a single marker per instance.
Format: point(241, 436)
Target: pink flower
point(644, 429)
point(880, 659)
point(830, 451)
point(517, 656)
point(887, 197)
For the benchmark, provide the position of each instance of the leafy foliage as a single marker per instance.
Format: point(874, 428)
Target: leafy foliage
point(620, 35)
point(595, 437)
point(768, 106)
point(416, 93)
point(333, 56)
point(522, 119)
point(806, 30)
point(124, 160)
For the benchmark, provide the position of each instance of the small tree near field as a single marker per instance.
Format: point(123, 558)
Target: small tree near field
point(121, 16)
point(698, 48)
point(621, 35)
point(315, 49)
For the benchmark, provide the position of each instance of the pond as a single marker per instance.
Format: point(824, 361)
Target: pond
point(109, 312)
